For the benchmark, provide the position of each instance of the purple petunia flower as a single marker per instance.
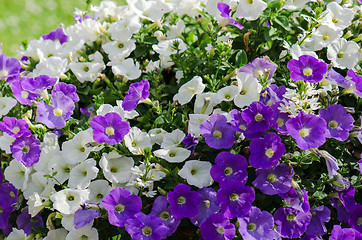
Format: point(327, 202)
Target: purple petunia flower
point(4, 218)
point(240, 125)
point(109, 128)
point(217, 227)
point(217, 132)
point(146, 227)
point(38, 84)
point(339, 122)
point(320, 215)
point(56, 35)
point(357, 80)
point(235, 199)
point(291, 222)
point(55, 115)
point(296, 198)
point(229, 167)
point(274, 180)
point(307, 68)
point(190, 142)
point(265, 153)
point(308, 130)
point(280, 118)
point(8, 196)
point(68, 89)
point(22, 95)
point(208, 205)
point(87, 111)
point(225, 13)
point(85, 215)
point(337, 79)
point(121, 205)
point(184, 202)
point(27, 223)
point(136, 93)
point(256, 225)
point(9, 68)
point(258, 117)
point(160, 208)
point(339, 233)
point(26, 149)
point(355, 219)
point(15, 127)
point(261, 68)
point(272, 94)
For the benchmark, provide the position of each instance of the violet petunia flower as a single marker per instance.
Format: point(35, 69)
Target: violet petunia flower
point(265, 153)
point(274, 180)
point(56, 35)
point(261, 68)
point(355, 219)
point(357, 80)
point(256, 225)
point(190, 142)
point(320, 215)
point(8, 196)
point(291, 222)
point(85, 215)
point(137, 92)
point(258, 117)
point(146, 227)
point(121, 205)
point(4, 218)
point(160, 208)
point(337, 79)
point(217, 227)
point(339, 122)
point(38, 84)
point(296, 198)
point(23, 96)
point(240, 125)
point(225, 13)
point(109, 128)
point(208, 205)
point(9, 68)
point(229, 167)
point(184, 202)
point(308, 130)
point(217, 132)
point(235, 199)
point(339, 233)
point(87, 111)
point(280, 119)
point(272, 94)
point(15, 127)
point(26, 149)
point(27, 223)
point(69, 90)
point(307, 68)
point(55, 115)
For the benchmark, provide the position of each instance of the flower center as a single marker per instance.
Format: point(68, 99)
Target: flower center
point(134, 144)
point(147, 231)
point(251, 226)
point(165, 215)
point(339, 55)
point(84, 173)
point(12, 194)
point(172, 154)
point(234, 197)
point(291, 217)
point(304, 132)
point(325, 38)
point(24, 94)
point(25, 149)
point(113, 169)
point(181, 200)
point(265, 93)
point(217, 134)
point(110, 131)
point(269, 152)
point(3, 73)
point(307, 71)
point(220, 230)
point(280, 122)
point(258, 117)
point(250, 1)
point(228, 171)
point(84, 237)
point(271, 178)
point(86, 68)
point(120, 45)
point(100, 196)
point(57, 112)
point(333, 124)
point(359, 221)
point(67, 170)
point(193, 171)
point(335, 20)
point(207, 203)
point(16, 130)
point(70, 198)
point(242, 127)
point(119, 208)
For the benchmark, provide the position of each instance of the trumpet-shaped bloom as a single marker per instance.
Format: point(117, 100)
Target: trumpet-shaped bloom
point(207, 206)
point(189, 89)
point(217, 227)
point(136, 93)
point(197, 173)
point(183, 202)
point(15, 127)
point(9, 68)
point(307, 68)
point(146, 227)
point(257, 117)
point(291, 222)
point(26, 149)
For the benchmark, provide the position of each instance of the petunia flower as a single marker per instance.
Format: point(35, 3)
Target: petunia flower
point(320, 215)
point(9, 68)
point(197, 173)
point(109, 128)
point(258, 117)
point(307, 68)
point(355, 219)
point(261, 68)
point(217, 227)
point(207, 206)
point(26, 149)
point(27, 223)
point(136, 93)
point(68, 201)
point(85, 215)
point(339, 233)
point(146, 227)
point(68, 89)
point(57, 34)
point(225, 13)
point(187, 91)
point(291, 222)
point(15, 127)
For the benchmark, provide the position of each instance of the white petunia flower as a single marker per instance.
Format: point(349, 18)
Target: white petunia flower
point(98, 189)
point(54, 67)
point(6, 104)
point(156, 135)
point(17, 174)
point(343, 53)
point(166, 48)
point(17, 234)
point(294, 4)
point(37, 184)
point(116, 168)
point(124, 28)
point(197, 173)
point(136, 139)
point(88, 71)
point(195, 122)
point(189, 89)
point(228, 93)
point(151, 10)
point(249, 89)
point(173, 139)
point(175, 31)
point(83, 233)
point(81, 175)
point(50, 140)
point(296, 51)
point(325, 35)
point(60, 166)
point(336, 16)
point(250, 9)
point(125, 114)
point(205, 102)
point(173, 155)
point(68, 201)
point(88, 30)
point(5, 142)
point(126, 68)
point(56, 234)
point(119, 49)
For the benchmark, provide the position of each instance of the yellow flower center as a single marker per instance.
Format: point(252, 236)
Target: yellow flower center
point(269, 152)
point(70, 198)
point(181, 200)
point(119, 208)
point(304, 132)
point(291, 217)
point(147, 231)
point(258, 117)
point(333, 124)
point(25, 149)
point(217, 134)
point(325, 38)
point(339, 55)
point(165, 215)
point(251, 226)
point(3, 73)
point(307, 71)
point(16, 130)
point(24, 94)
point(335, 20)
point(271, 178)
point(57, 112)
point(228, 171)
point(359, 221)
point(220, 230)
point(234, 197)
point(280, 122)
point(110, 131)
point(207, 203)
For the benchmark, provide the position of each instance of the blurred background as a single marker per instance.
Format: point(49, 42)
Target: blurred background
point(29, 19)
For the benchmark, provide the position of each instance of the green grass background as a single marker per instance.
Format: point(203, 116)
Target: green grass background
point(29, 19)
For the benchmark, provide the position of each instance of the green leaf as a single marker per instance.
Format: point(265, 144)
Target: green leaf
point(139, 51)
point(283, 21)
point(241, 59)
